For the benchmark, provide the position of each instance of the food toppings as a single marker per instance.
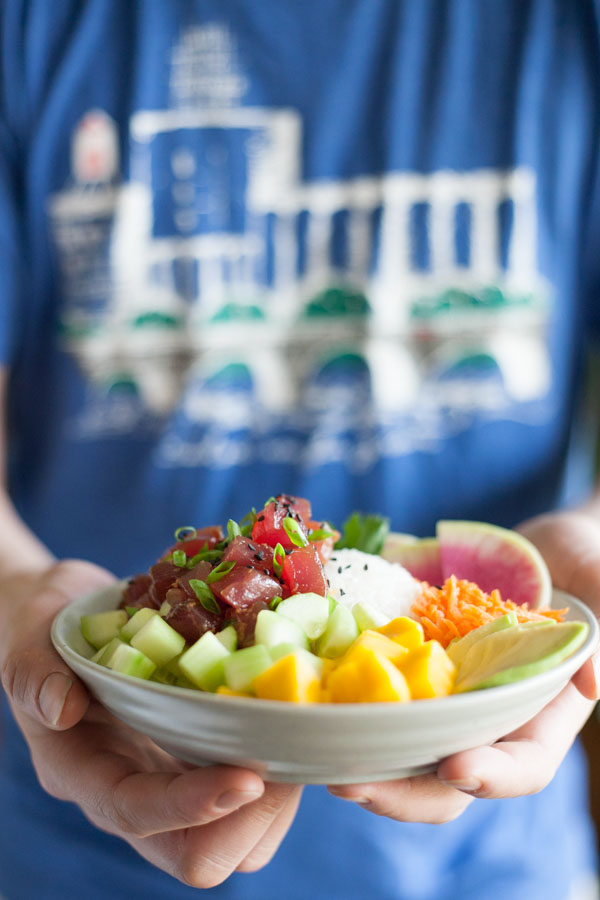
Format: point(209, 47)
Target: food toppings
point(209, 576)
point(459, 606)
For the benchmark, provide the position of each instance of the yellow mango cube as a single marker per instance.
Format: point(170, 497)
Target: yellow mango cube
point(291, 678)
point(429, 671)
point(367, 677)
point(228, 692)
point(372, 640)
point(404, 631)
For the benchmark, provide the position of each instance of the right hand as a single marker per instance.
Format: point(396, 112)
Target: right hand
point(198, 824)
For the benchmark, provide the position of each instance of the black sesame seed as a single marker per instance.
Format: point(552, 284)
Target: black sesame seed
point(339, 570)
point(342, 592)
point(366, 566)
point(260, 519)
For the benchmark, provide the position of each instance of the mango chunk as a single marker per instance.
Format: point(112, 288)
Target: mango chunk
point(372, 640)
point(228, 692)
point(404, 631)
point(366, 677)
point(291, 678)
point(429, 671)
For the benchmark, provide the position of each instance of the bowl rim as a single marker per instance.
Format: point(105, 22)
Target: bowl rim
point(556, 674)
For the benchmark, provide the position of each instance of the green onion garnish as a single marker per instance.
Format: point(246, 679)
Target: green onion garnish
point(185, 533)
point(294, 532)
point(131, 610)
point(205, 595)
point(320, 534)
point(210, 555)
point(179, 557)
point(220, 571)
point(233, 530)
point(247, 523)
point(278, 554)
point(274, 603)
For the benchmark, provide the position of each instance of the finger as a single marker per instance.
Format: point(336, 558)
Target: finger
point(211, 854)
point(587, 679)
point(265, 849)
point(526, 760)
point(36, 680)
point(421, 798)
point(112, 788)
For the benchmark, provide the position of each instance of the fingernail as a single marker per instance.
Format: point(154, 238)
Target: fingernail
point(468, 785)
point(596, 666)
point(234, 799)
point(53, 694)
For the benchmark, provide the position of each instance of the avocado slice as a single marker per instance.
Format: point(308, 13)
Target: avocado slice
point(459, 647)
point(515, 653)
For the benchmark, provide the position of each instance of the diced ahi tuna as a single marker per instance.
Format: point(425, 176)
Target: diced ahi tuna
point(246, 552)
point(268, 528)
point(199, 573)
point(243, 586)
point(191, 620)
point(302, 572)
point(203, 539)
point(163, 575)
point(244, 623)
point(136, 594)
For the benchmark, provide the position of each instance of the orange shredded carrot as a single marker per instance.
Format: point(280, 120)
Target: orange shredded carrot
point(460, 606)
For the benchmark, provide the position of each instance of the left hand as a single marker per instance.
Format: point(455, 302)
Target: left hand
point(525, 761)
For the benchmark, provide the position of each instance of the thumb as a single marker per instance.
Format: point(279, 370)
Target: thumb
point(38, 684)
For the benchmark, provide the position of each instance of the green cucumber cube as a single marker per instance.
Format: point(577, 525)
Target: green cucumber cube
point(104, 653)
point(309, 611)
point(129, 661)
point(341, 631)
point(100, 628)
point(243, 666)
point(272, 629)
point(158, 641)
point(367, 616)
point(228, 637)
point(140, 617)
point(165, 609)
point(203, 662)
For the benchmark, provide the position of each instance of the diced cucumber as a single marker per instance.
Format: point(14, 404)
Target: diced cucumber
point(171, 674)
point(243, 666)
point(105, 653)
point(309, 611)
point(158, 641)
point(285, 649)
point(140, 617)
point(203, 662)
point(272, 629)
point(340, 632)
point(100, 628)
point(129, 661)
point(228, 637)
point(367, 616)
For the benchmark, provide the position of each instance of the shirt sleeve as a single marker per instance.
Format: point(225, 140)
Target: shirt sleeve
point(11, 195)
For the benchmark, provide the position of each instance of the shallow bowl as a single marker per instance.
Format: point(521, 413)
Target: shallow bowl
point(314, 743)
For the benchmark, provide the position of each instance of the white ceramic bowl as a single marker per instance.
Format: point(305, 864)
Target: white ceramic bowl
point(315, 743)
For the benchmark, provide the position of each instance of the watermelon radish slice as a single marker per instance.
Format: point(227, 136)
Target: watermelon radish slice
point(421, 557)
point(494, 557)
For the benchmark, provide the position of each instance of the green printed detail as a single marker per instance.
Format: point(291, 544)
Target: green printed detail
point(238, 312)
point(157, 319)
point(337, 301)
point(455, 300)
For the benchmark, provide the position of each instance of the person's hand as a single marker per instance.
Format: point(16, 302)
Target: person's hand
point(198, 824)
point(525, 761)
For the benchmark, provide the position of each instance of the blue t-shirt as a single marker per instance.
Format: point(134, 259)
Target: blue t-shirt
point(336, 248)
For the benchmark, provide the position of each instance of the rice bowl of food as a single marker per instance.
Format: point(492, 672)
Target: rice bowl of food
point(312, 656)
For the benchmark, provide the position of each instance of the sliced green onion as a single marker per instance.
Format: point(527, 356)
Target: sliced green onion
point(220, 571)
point(131, 610)
point(233, 530)
point(274, 603)
point(186, 532)
point(320, 534)
point(332, 603)
point(247, 523)
point(205, 595)
point(210, 555)
point(278, 554)
point(180, 557)
point(294, 532)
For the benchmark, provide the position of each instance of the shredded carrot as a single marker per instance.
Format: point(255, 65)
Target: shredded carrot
point(459, 606)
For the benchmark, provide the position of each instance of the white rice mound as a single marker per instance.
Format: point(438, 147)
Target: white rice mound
point(357, 577)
